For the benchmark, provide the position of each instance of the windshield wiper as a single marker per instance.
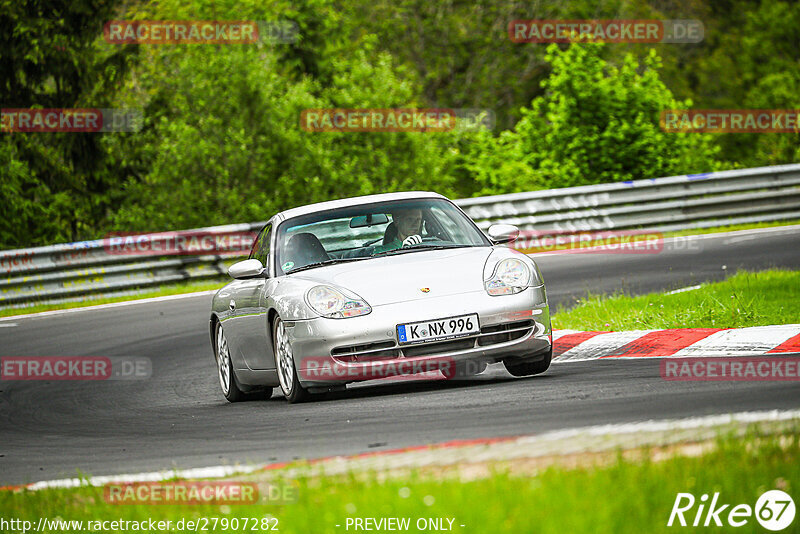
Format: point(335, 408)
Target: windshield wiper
point(331, 261)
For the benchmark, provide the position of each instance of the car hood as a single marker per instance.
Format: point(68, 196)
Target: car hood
point(404, 277)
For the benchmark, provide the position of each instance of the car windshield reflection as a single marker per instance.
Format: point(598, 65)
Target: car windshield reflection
point(373, 230)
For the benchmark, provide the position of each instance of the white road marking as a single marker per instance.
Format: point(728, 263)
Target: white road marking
point(200, 472)
point(673, 424)
point(787, 228)
point(683, 290)
point(109, 305)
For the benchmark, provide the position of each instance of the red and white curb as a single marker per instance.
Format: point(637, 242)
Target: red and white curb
point(591, 439)
point(573, 345)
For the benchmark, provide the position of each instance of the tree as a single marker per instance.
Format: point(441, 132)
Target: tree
point(55, 185)
point(754, 63)
point(596, 123)
point(223, 143)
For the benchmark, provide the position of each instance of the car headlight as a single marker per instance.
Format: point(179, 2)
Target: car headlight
point(335, 304)
point(510, 276)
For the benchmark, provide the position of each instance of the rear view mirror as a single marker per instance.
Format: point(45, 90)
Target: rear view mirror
point(371, 219)
point(246, 269)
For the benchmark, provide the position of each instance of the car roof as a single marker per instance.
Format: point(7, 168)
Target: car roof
point(354, 201)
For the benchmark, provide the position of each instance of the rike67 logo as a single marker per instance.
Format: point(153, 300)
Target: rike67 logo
point(774, 510)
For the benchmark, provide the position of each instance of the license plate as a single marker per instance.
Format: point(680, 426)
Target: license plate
point(438, 329)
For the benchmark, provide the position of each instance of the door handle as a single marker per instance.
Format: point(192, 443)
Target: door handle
point(232, 305)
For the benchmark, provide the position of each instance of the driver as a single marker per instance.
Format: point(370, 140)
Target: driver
point(408, 223)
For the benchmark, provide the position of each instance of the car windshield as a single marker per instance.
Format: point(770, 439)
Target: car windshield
point(372, 230)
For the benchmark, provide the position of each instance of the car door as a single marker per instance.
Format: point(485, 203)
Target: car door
point(247, 324)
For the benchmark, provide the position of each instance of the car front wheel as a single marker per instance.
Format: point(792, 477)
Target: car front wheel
point(284, 361)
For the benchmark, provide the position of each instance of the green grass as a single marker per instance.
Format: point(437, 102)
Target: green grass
point(745, 299)
point(731, 228)
point(161, 291)
point(623, 496)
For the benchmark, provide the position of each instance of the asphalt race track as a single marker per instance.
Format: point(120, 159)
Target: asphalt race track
point(178, 418)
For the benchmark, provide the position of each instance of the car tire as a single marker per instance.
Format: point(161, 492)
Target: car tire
point(529, 368)
point(225, 372)
point(285, 365)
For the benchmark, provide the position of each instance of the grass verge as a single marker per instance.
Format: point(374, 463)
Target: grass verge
point(745, 299)
point(621, 496)
point(162, 291)
point(731, 228)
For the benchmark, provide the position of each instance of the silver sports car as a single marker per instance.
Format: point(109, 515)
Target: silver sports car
point(376, 286)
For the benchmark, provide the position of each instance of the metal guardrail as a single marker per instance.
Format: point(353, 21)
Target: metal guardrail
point(74, 270)
point(663, 204)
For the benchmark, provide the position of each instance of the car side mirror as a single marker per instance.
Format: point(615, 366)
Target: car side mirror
point(502, 233)
point(246, 269)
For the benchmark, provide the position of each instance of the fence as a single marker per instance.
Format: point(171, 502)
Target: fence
point(72, 271)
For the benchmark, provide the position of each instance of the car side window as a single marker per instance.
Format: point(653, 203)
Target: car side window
point(261, 246)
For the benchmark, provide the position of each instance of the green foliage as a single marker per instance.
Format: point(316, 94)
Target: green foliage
point(749, 57)
point(227, 146)
point(54, 185)
point(26, 200)
point(596, 123)
point(222, 141)
point(755, 65)
point(461, 50)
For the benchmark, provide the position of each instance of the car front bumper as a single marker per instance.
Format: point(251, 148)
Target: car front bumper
point(336, 351)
